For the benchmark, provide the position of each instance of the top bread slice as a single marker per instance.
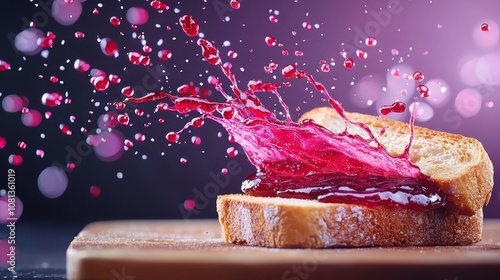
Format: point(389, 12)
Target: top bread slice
point(459, 165)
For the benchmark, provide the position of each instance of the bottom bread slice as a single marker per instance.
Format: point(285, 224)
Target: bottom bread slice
point(297, 223)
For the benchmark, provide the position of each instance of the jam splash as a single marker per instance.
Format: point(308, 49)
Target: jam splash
point(303, 160)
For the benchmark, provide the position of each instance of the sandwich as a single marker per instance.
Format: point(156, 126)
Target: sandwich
point(458, 167)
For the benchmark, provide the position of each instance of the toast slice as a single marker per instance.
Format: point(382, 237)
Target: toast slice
point(298, 223)
point(459, 165)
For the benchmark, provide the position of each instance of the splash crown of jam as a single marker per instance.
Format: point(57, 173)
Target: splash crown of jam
point(303, 160)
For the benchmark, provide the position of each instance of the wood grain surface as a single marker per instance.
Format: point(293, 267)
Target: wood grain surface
point(193, 249)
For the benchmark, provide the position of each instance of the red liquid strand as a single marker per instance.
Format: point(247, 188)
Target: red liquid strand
point(305, 160)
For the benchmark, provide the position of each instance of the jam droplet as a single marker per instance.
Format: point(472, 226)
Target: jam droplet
point(159, 5)
point(3, 142)
point(4, 65)
point(396, 107)
point(140, 137)
point(349, 63)
point(164, 54)
point(423, 91)
point(189, 204)
point(128, 91)
point(361, 54)
point(232, 151)
point(196, 140)
point(109, 47)
point(81, 65)
point(270, 41)
point(123, 119)
point(79, 34)
point(135, 58)
point(289, 71)
point(101, 83)
point(418, 76)
point(172, 136)
point(15, 160)
point(65, 129)
point(485, 27)
point(371, 42)
point(324, 66)
point(22, 144)
point(235, 4)
point(209, 51)
point(190, 25)
point(115, 21)
point(52, 99)
point(95, 191)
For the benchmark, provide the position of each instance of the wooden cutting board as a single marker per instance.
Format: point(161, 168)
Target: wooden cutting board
point(133, 250)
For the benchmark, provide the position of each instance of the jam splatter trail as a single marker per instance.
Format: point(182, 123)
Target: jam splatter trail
point(305, 159)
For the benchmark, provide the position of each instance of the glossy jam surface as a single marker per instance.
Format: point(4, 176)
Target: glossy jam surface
point(304, 160)
point(408, 193)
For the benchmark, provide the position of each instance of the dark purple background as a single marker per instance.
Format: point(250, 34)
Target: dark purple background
point(434, 38)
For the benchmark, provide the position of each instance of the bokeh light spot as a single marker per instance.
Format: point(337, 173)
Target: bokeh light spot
point(468, 102)
point(52, 182)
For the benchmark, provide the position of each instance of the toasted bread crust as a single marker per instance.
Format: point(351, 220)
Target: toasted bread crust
point(468, 190)
point(293, 223)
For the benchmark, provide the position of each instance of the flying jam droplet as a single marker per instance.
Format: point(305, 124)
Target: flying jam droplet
point(189, 204)
point(101, 83)
point(232, 151)
point(15, 160)
point(81, 65)
point(423, 91)
point(485, 27)
point(289, 71)
point(4, 65)
point(190, 25)
point(324, 66)
point(164, 54)
point(52, 99)
point(361, 54)
point(115, 21)
point(3, 142)
point(396, 107)
point(128, 91)
point(418, 76)
point(123, 119)
point(196, 140)
point(371, 42)
point(95, 191)
point(109, 47)
point(235, 4)
point(349, 63)
point(159, 6)
point(270, 41)
point(172, 136)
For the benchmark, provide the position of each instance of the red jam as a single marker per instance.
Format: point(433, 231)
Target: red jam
point(305, 160)
point(407, 193)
